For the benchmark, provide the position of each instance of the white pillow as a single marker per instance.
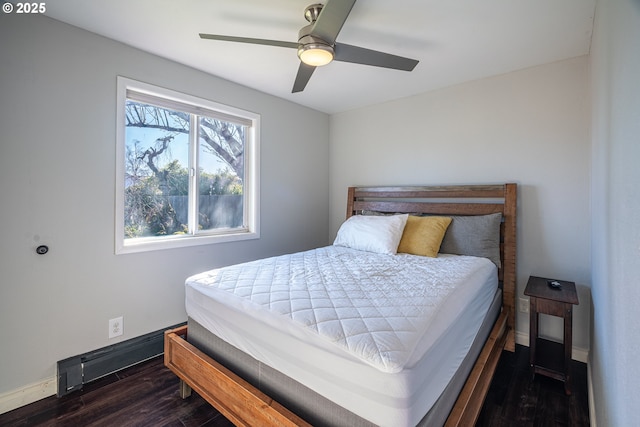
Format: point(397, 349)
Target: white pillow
point(380, 234)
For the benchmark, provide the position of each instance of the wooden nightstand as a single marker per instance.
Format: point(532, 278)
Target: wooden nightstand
point(548, 357)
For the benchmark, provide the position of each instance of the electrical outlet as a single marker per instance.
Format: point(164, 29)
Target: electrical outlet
point(524, 305)
point(116, 327)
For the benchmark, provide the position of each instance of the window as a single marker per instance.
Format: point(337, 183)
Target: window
point(187, 170)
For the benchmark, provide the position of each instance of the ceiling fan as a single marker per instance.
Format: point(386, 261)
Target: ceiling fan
point(317, 43)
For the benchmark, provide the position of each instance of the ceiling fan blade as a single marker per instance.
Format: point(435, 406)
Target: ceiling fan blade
point(360, 55)
point(331, 19)
point(249, 40)
point(302, 78)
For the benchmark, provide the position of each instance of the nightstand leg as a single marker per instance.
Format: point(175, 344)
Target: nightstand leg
point(533, 334)
point(568, 345)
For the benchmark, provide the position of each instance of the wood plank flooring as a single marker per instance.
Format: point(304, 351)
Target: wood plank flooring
point(516, 398)
point(147, 395)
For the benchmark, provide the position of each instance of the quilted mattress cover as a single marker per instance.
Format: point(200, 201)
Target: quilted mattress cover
point(380, 335)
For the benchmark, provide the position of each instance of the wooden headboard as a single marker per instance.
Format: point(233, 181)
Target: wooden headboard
point(455, 200)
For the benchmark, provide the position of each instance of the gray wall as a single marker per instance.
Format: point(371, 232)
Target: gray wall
point(615, 88)
point(57, 181)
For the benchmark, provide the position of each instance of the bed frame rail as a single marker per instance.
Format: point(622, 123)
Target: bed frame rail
point(467, 408)
point(236, 399)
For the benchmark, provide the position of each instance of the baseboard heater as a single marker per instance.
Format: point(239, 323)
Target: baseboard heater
point(74, 372)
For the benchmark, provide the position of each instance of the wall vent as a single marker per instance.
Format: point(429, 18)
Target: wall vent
point(74, 372)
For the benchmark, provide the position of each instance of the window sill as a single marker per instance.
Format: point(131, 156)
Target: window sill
point(172, 242)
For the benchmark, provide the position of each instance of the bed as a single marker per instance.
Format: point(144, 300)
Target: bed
point(372, 351)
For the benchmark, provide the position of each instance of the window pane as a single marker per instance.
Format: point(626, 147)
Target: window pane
point(220, 174)
point(156, 172)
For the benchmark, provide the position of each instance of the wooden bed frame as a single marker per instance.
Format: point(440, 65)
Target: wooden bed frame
point(244, 405)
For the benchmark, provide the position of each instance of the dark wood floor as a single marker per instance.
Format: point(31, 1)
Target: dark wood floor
point(516, 398)
point(147, 395)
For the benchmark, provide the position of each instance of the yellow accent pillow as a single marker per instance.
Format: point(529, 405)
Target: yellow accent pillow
point(423, 235)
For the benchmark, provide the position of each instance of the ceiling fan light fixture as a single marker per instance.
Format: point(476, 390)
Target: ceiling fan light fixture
point(315, 54)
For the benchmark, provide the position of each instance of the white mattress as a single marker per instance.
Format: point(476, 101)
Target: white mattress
point(380, 335)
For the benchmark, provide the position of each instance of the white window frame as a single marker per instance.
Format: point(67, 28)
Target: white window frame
point(251, 182)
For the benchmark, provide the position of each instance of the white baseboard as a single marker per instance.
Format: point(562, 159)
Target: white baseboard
point(26, 395)
point(579, 354)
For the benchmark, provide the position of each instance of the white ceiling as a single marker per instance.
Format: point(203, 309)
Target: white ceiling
point(454, 40)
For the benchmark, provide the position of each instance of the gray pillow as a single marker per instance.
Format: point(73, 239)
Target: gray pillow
point(475, 235)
